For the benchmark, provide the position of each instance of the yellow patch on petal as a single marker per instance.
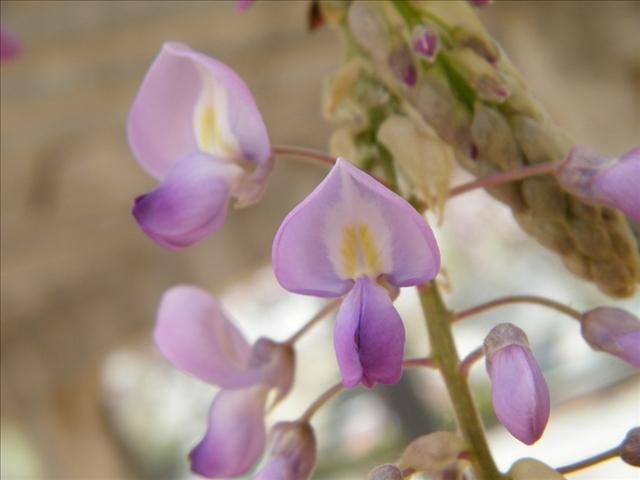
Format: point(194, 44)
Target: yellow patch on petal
point(359, 251)
point(209, 134)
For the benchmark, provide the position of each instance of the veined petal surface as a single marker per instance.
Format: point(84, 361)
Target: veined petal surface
point(236, 434)
point(369, 337)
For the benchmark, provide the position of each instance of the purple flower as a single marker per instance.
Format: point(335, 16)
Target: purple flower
point(519, 392)
point(243, 4)
point(194, 334)
point(614, 331)
point(351, 236)
point(293, 453)
point(9, 44)
point(196, 128)
point(604, 180)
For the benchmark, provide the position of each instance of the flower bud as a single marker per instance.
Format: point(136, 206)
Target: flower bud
point(425, 42)
point(432, 453)
point(385, 472)
point(532, 469)
point(630, 448)
point(293, 453)
point(603, 180)
point(401, 64)
point(519, 392)
point(614, 331)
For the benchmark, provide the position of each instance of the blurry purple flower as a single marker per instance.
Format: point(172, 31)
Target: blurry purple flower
point(9, 44)
point(480, 3)
point(194, 334)
point(243, 4)
point(614, 331)
point(352, 235)
point(425, 41)
point(293, 453)
point(519, 392)
point(604, 180)
point(195, 127)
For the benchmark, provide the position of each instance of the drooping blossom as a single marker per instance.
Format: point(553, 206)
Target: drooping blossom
point(604, 180)
point(195, 127)
point(9, 44)
point(292, 455)
point(615, 331)
point(352, 236)
point(519, 393)
point(194, 334)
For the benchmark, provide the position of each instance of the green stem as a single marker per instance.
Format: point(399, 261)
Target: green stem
point(443, 352)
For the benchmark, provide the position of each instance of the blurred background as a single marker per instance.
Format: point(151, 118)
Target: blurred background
point(84, 393)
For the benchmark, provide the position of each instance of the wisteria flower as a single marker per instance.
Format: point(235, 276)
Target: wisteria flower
point(353, 236)
point(519, 393)
point(194, 334)
point(195, 126)
point(604, 180)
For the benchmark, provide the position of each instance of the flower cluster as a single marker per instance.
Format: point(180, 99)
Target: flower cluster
point(195, 127)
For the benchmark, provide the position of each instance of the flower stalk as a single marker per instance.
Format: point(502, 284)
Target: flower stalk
point(444, 353)
point(498, 302)
point(588, 462)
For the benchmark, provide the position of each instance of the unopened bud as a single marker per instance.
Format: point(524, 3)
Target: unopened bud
point(630, 448)
point(604, 180)
point(293, 453)
point(425, 42)
point(519, 393)
point(385, 472)
point(479, 74)
point(532, 469)
point(432, 453)
point(614, 331)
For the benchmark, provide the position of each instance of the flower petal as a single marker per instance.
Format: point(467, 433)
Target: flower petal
point(519, 392)
point(190, 204)
point(614, 331)
point(369, 337)
point(351, 226)
point(162, 126)
point(619, 184)
point(194, 334)
point(235, 436)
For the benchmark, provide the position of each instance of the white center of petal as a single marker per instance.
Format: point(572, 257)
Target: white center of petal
point(210, 121)
point(357, 235)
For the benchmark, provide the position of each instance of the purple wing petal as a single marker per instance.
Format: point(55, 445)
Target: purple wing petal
point(369, 337)
point(194, 334)
point(190, 204)
point(519, 392)
point(614, 331)
point(235, 436)
point(161, 125)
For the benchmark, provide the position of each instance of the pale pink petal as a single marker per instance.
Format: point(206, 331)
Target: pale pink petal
point(614, 331)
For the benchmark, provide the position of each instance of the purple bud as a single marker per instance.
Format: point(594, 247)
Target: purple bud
point(614, 331)
point(401, 65)
point(519, 392)
point(603, 180)
point(293, 453)
point(425, 41)
point(630, 448)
